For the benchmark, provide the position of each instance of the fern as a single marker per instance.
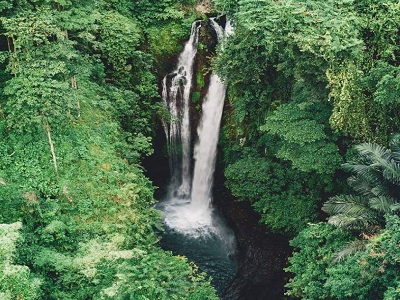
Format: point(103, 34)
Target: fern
point(375, 181)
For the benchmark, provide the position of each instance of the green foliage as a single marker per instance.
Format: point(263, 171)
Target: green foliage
point(304, 141)
point(378, 23)
point(362, 110)
point(40, 81)
point(155, 11)
point(196, 97)
point(165, 23)
point(165, 41)
point(93, 228)
point(5, 4)
point(280, 99)
point(383, 83)
point(376, 266)
point(117, 39)
point(200, 79)
point(285, 199)
point(376, 178)
point(38, 88)
point(229, 6)
point(315, 249)
point(75, 76)
point(158, 276)
point(314, 77)
point(16, 282)
point(346, 51)
point(364, 268)
point(393, 292)
point(370, 272)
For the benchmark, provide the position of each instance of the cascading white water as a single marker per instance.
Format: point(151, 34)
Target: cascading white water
point(176, 95)
point(208, 132)
point(206, 148)
point(194, 215)
point(193, 228)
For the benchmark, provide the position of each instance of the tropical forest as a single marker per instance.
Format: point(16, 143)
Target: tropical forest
point(199, 149)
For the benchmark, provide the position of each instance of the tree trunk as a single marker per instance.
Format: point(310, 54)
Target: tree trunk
point(53, 153)
point(75, 86)
point(12, 60)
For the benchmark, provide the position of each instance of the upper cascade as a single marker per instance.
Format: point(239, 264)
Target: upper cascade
point(208, 131)
point(176, 95)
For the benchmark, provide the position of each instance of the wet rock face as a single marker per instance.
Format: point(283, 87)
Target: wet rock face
point(261, 255)
point(261, 259)
point(204, 7)
point(201, 76)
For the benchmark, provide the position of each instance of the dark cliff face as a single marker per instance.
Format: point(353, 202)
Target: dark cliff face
point(261, 256)
point(202, 72)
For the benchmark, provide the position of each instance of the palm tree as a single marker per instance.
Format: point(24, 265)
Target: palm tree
point(376, 183)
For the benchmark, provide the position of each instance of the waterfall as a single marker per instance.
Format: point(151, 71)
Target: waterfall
point(208, 132)
point(193, 228)
point(206, 147)
point(176, 95)
point(188, 210)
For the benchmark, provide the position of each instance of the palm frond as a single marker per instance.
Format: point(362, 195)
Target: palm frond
point(350, 248)
point(353, 222)
point(381, 159)
point(376, 180)
point(395, 146)
point(373, 152)
point(391, 171)
point(370, 175)
point(395, 207)
point(358, 168)
point(380, 191)
point(383, 204)
point(362, 186)
point(351, 212)
point(345, 204)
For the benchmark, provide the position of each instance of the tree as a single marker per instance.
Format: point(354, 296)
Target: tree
point(39, 96)
point(73, 77)
point(16, 281)
point(315, 248)
point(375, 181)
point(303, 138)
point(370, 272)
point(285, 198)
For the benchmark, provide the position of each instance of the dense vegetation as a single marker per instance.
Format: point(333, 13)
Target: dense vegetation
point(78, 102)
point(309, 140)
point(316, 101)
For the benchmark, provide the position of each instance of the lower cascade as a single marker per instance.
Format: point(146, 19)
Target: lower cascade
point(193, 227)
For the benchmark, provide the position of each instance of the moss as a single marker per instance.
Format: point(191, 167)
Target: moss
point(200, 79)
point(196, 97)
